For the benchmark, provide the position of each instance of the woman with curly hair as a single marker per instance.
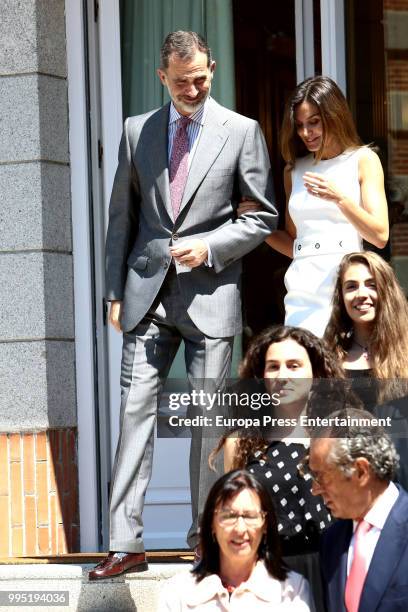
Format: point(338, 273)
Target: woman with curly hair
point(289, 363)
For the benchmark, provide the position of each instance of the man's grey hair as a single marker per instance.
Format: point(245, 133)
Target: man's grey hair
point(184, 45)
point(362, 440)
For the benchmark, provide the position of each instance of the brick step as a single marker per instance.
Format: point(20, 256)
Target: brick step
point(137, 592)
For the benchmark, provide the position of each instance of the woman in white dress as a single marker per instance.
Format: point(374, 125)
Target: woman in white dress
point(335, 198)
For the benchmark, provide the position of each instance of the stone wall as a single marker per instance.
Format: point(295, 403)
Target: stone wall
point(37, 368)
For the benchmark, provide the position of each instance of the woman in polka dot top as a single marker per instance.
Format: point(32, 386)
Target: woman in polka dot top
point(287, 361)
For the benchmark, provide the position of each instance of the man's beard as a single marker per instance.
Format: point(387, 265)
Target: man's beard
point(190, 108)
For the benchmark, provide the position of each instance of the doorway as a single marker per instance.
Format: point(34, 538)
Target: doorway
point(265, 74)
point(263, 59)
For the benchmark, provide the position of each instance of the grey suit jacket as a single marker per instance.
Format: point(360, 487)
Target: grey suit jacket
point(230, 161)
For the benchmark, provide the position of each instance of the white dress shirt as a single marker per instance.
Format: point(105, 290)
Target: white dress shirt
point(376, 516)
point(194, 129)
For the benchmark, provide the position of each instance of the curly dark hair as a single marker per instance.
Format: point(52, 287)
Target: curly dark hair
point(326, 396)
point(223, 490)
point(324, 363)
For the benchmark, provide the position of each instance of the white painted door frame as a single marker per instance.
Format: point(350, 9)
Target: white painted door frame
point(332, 38)
point(304, 32)
point(83, 283)
point(333, 41)
point(106, 101)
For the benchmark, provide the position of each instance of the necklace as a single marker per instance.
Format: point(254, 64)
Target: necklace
point(365, 349)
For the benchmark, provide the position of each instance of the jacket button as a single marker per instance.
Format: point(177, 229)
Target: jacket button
point(175, 236)
point(299, 247)
point(166, 265)
point(317, 245)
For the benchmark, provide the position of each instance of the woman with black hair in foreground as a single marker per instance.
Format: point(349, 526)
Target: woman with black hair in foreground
point(241, 566)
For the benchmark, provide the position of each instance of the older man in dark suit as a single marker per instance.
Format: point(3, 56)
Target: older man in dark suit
point(365, 554)
point(173, 267)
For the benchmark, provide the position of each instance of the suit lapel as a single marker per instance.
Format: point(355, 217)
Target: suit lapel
point(212, 140)
point(391, 544)
point(338, 559)
point(155, 148)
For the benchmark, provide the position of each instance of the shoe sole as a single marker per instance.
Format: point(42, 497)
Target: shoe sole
point(141, 567)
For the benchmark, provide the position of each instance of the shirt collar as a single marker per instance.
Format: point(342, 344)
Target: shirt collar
point(197, 117)
point(260, 583)
point(378, 513)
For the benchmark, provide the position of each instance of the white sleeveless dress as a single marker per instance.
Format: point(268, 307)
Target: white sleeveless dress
point(323, 236)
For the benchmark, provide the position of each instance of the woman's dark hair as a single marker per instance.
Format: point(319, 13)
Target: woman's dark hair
point(334, 112)
point(223, 490)
point(389, 338)
point(324, 364)
point(325, 397)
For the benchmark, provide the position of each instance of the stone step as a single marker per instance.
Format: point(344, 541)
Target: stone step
point(136, 592)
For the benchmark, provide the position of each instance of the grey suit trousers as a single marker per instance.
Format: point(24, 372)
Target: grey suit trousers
point(148, 352)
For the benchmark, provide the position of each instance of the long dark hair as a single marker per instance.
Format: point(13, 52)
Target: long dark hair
point(335, 115)
point(223, 490)
point(389, 337)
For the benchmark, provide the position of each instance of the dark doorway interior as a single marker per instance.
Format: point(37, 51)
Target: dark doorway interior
point(265, 61)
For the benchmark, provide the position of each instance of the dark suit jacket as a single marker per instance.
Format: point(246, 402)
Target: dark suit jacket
point(386, 585)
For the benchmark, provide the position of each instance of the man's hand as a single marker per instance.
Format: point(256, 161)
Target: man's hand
point(114, 314)
point(246, 206)
point(191, 253)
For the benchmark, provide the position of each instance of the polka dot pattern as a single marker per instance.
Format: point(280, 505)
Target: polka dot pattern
point(297, 509)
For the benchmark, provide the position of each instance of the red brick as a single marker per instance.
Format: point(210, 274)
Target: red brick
point(59, 477)
point(74, 499)
point(28, 463)
point(16, 491)
point(41, 446)
point(395, 5)
point(4, 465)
point(72, 437)
point(4, 526)
point(30, 523)
point(42, 493)
point(62, 541)
point(66, 461)
point(58, 443)
point(75, 539)
point(17, 549)
point(53, 524)
point(53, 480)
point(43, 541)
point(15, 450)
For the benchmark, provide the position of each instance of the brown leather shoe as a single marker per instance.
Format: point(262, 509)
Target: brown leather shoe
point(113, 566)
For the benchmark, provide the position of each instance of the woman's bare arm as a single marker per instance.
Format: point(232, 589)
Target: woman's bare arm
point(370, 219)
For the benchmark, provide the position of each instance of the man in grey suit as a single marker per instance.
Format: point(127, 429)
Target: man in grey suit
point(173, 255)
